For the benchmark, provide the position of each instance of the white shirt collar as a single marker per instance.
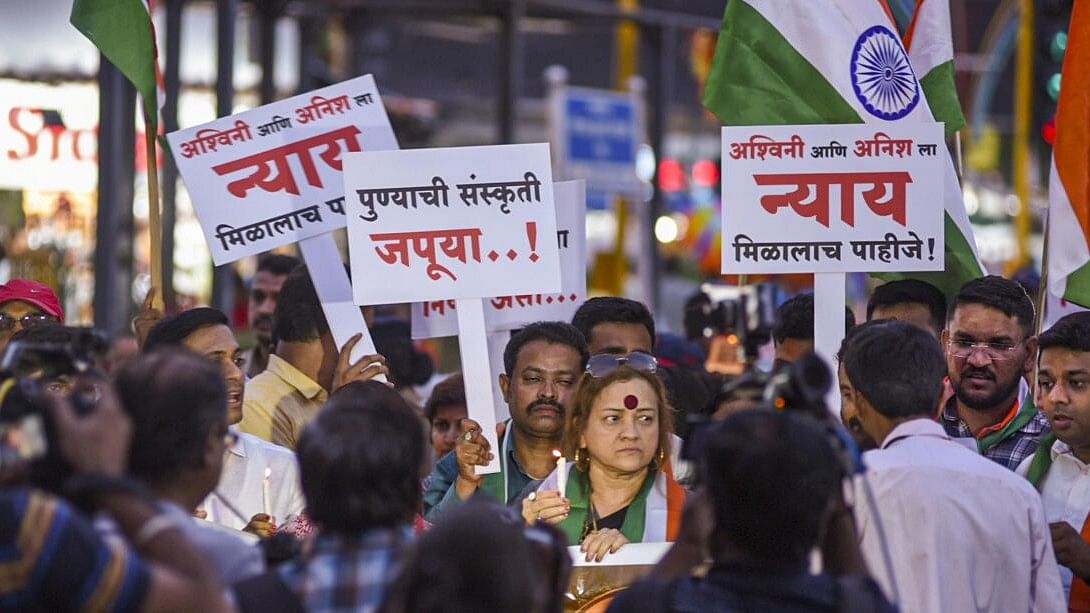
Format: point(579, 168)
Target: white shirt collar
point(921, 426)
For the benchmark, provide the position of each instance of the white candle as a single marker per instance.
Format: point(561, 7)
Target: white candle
point(265, 492)
point(561, 471)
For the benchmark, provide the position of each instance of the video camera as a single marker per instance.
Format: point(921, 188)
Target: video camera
point(799, 387)
point(739, 320)
point(40, 361)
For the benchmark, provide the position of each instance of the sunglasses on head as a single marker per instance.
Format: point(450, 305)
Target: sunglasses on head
point(605, 363)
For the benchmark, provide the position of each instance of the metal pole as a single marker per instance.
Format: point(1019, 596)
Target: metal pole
point(511, 68)
point(267, 13)
point(170, 123)
point(113, 225)
point(665, 40)
point(226, 12)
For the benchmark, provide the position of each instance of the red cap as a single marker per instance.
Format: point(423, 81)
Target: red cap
point(34, 293)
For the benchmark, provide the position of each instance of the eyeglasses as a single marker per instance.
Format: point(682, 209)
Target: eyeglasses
point(994, 351)
point(7, 322)
point(605, 363)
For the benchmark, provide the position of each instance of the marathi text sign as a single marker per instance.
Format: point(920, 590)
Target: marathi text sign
point(437, 317)
point(438, 224)
point(833, 198)
point(271, 176)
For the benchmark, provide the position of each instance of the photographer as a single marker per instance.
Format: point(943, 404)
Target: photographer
point(55, 561)
point(771, 496)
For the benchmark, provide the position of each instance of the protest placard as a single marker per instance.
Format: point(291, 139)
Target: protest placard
point(456, 224)
point(243, 211)
point(271, 176)
point(438, 224)
point(833, 198)
point(438, 318)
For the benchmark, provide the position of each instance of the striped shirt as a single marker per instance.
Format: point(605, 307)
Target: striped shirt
point(51, 559)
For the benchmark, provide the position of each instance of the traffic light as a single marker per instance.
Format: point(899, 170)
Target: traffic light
point(1052, 20)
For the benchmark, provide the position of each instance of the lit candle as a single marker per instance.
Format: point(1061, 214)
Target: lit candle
point(265, 492)
point(561, 471)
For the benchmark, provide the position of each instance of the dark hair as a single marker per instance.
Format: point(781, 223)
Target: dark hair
point(298, 316)
point(770, 476)
point(555, 332)
point(1070, 332)
point(175, 399)
point(448, 392)
point(897, 367)
point(910, 291)
point(998, 293)
point(795, 319)
point(478, 559)
point(361, 460)
point(173, 330)
point(408, 366)
point(694, 318)
point(277, 264)
point(613, 309)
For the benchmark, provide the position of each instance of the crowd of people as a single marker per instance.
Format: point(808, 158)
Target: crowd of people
point(192, 475)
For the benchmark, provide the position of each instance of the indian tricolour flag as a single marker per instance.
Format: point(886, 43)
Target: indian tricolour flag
point(1068, 239)
point(123, 31)
point(834, 61)
point(931, 53)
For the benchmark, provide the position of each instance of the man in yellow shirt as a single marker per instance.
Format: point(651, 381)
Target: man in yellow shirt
point(304, 368)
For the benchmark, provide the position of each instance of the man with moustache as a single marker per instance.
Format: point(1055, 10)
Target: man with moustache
point(542, 364)
point(205, 332)
point(272, 269)
point(990, 349)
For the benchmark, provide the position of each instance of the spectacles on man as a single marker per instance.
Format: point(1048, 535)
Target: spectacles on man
point(961, 348)
point(7, 322)
point(604, 363)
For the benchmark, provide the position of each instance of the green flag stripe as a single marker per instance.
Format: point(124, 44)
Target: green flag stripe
point(942, 96)
point(121, 29)
point(1078, 286)
point(759, 78)
point(961, 265)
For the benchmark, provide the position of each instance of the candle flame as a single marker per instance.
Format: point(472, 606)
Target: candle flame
point(268, 472)
point(557, 454)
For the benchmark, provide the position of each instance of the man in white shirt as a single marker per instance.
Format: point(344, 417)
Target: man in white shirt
point(238, 501)
point(942, 528)
point(1060, 468)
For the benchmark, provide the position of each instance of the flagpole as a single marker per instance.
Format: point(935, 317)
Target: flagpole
point(155, 223)
point(1042, 290)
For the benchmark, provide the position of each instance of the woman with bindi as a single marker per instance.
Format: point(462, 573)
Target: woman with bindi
point(619, 488)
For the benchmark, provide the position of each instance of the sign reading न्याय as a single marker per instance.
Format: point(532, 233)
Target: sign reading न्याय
point(439, 224)
point(833, 198)
point(438, 318)
point(271, 176)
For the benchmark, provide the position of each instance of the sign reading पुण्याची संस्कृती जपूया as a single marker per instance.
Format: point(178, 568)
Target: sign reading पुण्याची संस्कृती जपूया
point(271, 176)
point(451, 223)
point(833, 198)
point(438, 318)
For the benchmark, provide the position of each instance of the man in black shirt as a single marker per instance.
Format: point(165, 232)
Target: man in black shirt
point(771, 493)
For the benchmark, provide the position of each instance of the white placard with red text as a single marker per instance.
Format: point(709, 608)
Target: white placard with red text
point(271, 176)
point(439, 224)
point(437, 318)
point(833, 198)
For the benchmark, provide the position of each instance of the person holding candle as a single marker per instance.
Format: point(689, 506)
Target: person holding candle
point(621, 488)
point(542, 363)
point(245, 498)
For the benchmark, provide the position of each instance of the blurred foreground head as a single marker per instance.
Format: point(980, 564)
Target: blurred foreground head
point(483, 558)
point(770, 476)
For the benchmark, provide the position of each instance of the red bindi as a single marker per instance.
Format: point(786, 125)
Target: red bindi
point(631, 402)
